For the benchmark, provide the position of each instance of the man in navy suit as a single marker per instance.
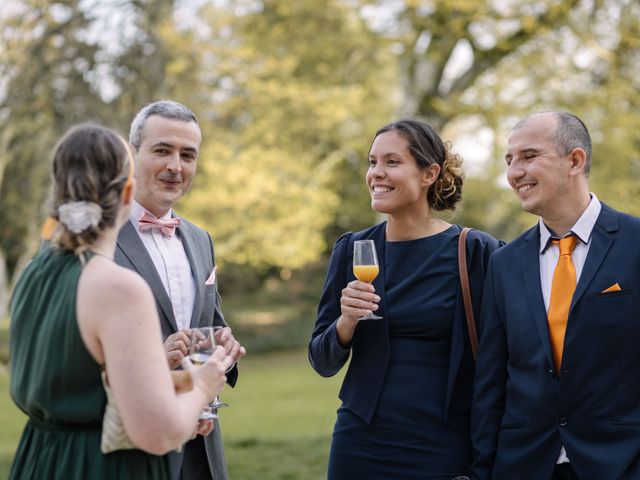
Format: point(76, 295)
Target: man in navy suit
point(545, 409)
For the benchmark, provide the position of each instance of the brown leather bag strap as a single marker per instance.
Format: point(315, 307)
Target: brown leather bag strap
point(466, 292)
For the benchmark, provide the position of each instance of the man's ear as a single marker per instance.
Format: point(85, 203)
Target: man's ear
point(578, 159)
point(128, 190)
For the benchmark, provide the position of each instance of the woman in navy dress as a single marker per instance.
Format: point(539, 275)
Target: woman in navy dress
point(407, 392)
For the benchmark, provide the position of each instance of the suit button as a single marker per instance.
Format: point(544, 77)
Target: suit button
point(550, 372)
point(563, 421)
point(566, 371)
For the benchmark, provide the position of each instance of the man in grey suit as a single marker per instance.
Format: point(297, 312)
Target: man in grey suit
point(176, 258)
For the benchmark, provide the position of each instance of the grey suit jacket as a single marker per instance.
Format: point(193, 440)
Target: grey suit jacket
point(131, 253)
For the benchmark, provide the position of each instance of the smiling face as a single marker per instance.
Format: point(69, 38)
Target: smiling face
point(538, 174)
point(165, 162)
point(396, 183)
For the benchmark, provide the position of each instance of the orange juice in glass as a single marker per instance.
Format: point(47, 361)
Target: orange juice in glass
point(365, 266)
point(366, 273)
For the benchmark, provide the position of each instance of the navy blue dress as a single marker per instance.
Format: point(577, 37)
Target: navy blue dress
point(406, 395)
point(409, 436)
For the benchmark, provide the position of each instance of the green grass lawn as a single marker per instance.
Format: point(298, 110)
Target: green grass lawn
point(12, 421)
point(278, 427)
point(281, 419)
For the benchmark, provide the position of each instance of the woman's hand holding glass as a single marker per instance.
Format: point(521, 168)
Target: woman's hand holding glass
point(358, 300)
point(359, 295)
point(211, 363)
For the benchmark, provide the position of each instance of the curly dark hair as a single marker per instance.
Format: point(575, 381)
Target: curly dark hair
point(428, 148)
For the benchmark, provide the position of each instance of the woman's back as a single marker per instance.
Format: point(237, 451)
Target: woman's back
point(56, 381)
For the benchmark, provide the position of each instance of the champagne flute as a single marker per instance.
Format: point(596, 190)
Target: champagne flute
point(201, 346)
point(217, 403)
point(365, 266)
point(202, 343)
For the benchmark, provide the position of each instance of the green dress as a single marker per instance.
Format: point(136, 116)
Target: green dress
point(56, 382)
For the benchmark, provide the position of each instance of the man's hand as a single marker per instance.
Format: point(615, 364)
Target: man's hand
point(204, 428)
point(176, 346)
point(225, 338)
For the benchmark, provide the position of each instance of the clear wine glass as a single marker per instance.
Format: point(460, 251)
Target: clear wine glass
point(202, 343)
point(217, 403)
point(365, 266)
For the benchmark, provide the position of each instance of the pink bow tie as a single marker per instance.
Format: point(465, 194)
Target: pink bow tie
point(167, 227)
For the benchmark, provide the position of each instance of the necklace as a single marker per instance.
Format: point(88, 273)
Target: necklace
point(100, 254)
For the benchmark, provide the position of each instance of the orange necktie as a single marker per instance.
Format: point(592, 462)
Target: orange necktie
point(562, 288)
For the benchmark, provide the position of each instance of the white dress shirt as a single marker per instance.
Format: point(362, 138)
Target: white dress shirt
point(549, 254)
point(172, 264)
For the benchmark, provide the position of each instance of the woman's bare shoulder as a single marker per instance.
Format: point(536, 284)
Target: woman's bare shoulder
point(110, 282)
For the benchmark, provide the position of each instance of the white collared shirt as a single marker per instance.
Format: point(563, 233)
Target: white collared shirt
point(549, 254)
point(171, 262)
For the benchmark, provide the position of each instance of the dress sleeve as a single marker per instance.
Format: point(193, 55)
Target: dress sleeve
point(326, 355)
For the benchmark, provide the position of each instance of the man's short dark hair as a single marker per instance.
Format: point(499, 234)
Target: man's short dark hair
point(162, 108)
point(571, 132)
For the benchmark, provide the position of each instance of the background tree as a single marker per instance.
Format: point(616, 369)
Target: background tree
point(59, 69)
point(41, 99)
point(300, 87)
point(289, 94)
point(583, 67)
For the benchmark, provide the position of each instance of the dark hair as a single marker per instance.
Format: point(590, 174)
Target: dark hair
point(162, 108)
point(427, 148)
point(571, 132)
point(90, 164)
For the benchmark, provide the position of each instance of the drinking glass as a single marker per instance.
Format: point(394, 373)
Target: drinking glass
point(217, 403)
point(202, 343)
point(365, 266)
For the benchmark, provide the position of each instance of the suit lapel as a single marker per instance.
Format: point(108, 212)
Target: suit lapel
point(530, 258)
point(132, 247)
point(601, 240)
point(188, 242)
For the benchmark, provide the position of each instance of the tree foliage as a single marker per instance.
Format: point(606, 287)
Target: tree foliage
point(57, 71)
point(289, 94)
point(302, 93)
point(583, 67)
point(42, 99)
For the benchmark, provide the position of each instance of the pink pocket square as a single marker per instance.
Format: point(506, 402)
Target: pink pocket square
point(212, 278)
point(613, 288)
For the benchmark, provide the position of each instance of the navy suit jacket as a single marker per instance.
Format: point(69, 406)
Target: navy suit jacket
point(370, 345)
point(523, 410)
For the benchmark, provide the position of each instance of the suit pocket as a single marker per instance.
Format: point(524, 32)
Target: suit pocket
point(602, 296)
point(611, 309)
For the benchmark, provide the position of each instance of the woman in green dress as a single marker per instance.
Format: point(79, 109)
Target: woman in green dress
point(74, 312)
